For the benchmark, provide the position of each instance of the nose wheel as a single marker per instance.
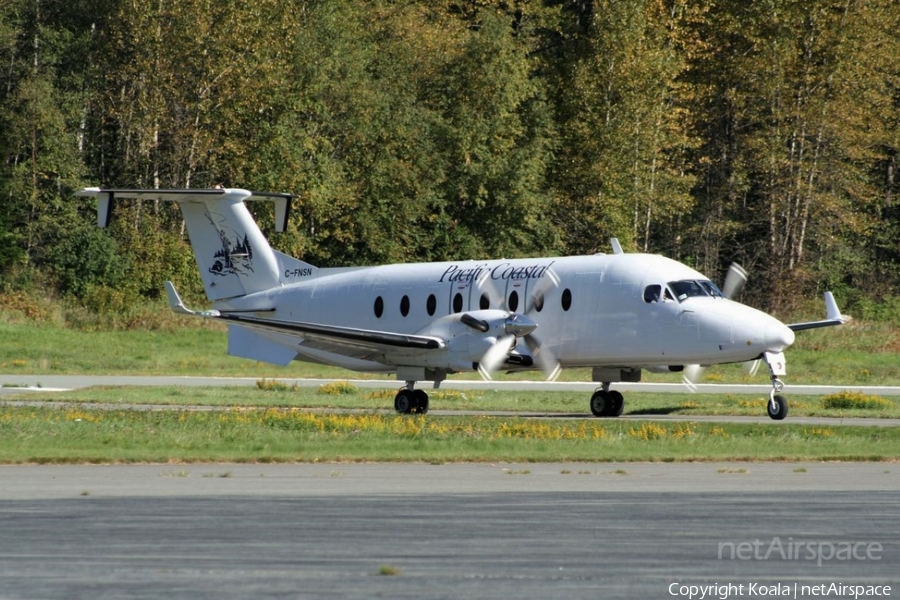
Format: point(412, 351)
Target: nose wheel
point(777, 407)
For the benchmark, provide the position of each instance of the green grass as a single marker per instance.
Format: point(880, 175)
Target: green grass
point(75, 435)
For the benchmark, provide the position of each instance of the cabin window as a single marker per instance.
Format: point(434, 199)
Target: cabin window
point(431, 305)
point(566, 299)
point(457, 302)
point(513, 303)
point(404, 305)
point(539, 302)
point(485, 302)
point(379, 306)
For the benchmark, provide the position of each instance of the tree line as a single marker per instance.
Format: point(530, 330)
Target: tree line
point(765, 132)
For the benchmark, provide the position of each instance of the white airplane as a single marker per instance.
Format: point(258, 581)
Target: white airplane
point(617, 313)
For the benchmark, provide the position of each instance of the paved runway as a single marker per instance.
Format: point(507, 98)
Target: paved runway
point(448, 531)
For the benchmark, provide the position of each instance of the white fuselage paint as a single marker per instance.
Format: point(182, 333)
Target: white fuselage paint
point(607, 324)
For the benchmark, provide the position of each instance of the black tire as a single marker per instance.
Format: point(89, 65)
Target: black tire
point(421, 398)
point(600, 404)
point(616, 403)
point(781, 406)
point(405, 402)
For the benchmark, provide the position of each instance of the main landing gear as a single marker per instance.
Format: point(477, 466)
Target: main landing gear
point(410, 400)
point(606, 402)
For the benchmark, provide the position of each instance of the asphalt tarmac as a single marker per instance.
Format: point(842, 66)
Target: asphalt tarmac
point(449, 531)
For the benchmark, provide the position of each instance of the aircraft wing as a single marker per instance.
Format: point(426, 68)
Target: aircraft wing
point(349, 341)
point(336, 335)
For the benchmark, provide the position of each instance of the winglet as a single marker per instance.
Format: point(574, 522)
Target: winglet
point(175, 302)
point(832, 312)
point(833, 316)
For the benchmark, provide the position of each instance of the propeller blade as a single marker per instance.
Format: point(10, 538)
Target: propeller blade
point(538, 291)
point(751, 367)
point(734, 281)
point(691, 375)
point(489, 290)
point(495, 356)
point(543, 357)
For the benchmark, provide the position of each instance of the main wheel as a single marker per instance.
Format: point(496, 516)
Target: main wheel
point(421, 398)
point(616, 403)
point(405, 401)
point(780, 410)
point(600, 403)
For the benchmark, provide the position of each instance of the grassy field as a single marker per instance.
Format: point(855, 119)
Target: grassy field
point(273, 423)
point(75, 435)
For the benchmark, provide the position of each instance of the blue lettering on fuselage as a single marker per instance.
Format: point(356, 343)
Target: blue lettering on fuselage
point(503, 271)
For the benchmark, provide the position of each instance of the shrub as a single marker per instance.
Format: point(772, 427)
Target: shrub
point(849, 400)
point(338, 388)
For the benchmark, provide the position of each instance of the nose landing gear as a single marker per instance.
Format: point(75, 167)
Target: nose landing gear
point(777, 407)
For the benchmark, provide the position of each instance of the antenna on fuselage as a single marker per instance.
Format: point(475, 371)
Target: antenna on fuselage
point(616, 246)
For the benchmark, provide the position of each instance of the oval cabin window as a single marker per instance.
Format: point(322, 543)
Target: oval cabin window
point(379, 306)
point(431, 305)
point(567, 299)
point(513, 301)
point(404, 305)
point(457, 302)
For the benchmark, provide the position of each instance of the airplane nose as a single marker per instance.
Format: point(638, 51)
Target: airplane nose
point(778, 336)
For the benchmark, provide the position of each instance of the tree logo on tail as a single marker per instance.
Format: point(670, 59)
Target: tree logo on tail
point(235, 257)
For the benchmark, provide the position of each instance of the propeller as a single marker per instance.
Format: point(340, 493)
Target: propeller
point(517, 325)
point(691, 375)
point(734, 280)
point(495, 356)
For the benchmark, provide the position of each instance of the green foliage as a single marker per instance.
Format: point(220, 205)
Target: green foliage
point(84, 257)
point(765, 132)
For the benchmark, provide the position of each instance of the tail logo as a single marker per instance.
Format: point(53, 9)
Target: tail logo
point(235, 257)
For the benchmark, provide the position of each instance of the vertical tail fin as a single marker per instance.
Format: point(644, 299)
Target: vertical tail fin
point(233, 255)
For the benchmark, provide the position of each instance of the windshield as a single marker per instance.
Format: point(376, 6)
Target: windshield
point(690, 288)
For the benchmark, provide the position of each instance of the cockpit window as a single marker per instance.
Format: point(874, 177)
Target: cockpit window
point(712, 289)
point(651, 293)
point(690, 288)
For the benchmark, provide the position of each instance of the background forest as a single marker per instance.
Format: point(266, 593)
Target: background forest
point(765, 132)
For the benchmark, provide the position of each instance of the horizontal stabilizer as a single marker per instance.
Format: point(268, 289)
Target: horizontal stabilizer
point(255, 346)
